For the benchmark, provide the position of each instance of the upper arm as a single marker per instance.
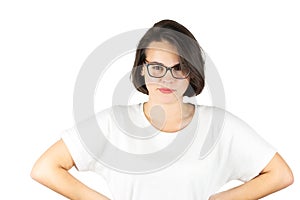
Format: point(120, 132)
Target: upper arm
point(279, 170)
point(57, 156)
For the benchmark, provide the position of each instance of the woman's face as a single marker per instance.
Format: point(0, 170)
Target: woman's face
point(166, 89)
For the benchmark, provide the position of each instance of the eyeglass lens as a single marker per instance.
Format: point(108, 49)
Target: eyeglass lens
point(158, 71)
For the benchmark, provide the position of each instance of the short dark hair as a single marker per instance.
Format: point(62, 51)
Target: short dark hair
point(189, 52)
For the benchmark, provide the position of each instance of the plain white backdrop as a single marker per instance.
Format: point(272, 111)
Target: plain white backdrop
point(253, 44)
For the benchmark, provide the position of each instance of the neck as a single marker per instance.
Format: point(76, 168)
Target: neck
point(169, 110)
point(169, 117)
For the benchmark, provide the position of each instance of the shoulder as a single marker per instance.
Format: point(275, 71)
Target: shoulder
point(213, 113)
point(227, 129)
point(117, 110)
point(221, 114)
point(119, 115)
point(212, 120)
point(222, 127)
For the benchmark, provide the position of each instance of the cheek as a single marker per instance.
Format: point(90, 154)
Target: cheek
point(150, 80)
point(184, 84)
point(150, 83)
point(182, 87)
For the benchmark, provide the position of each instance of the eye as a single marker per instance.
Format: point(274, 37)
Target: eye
point(157, 67)
point(177, 67)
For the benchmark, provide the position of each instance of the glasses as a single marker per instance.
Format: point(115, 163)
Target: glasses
point(158, 70)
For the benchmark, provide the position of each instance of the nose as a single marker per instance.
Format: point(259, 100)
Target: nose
point(168, 76)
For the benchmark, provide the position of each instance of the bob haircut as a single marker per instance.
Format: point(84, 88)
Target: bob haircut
point(189, 52)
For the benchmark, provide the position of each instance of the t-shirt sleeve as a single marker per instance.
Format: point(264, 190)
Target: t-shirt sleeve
point(82, 159)
point(248, 152)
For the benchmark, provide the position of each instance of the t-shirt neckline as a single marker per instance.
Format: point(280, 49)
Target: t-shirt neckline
point(141, 110)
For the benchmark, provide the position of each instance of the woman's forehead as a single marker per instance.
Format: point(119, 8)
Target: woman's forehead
point(163, 46)
point(162, 52)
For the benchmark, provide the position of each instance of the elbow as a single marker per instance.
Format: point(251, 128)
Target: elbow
point(280, 173)
point(287, 178)
point(36, 173)
point(41, 172)
point(283, 173)
point(283, 177)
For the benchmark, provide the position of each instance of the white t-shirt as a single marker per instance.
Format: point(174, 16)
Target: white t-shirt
point(215, 148)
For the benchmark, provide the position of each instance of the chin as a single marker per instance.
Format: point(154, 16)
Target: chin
point(166, 99)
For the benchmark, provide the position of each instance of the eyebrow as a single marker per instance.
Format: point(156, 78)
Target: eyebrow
point(154, 62)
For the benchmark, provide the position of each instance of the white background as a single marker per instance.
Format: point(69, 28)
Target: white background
point(254, 45)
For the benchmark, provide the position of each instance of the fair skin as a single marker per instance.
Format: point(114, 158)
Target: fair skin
point(51, 169)
point(177, 114)
point(274, 177)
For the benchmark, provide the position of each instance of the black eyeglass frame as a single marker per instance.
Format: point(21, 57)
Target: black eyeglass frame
point(167, 69)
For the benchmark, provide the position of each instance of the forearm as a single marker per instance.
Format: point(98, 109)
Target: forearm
point(62, 182)
point(257, 188)
point(51, 170)
point(275, 176)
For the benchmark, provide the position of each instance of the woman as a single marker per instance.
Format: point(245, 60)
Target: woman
point(168, 66)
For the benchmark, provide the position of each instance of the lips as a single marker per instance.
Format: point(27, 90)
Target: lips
point(165, 90)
